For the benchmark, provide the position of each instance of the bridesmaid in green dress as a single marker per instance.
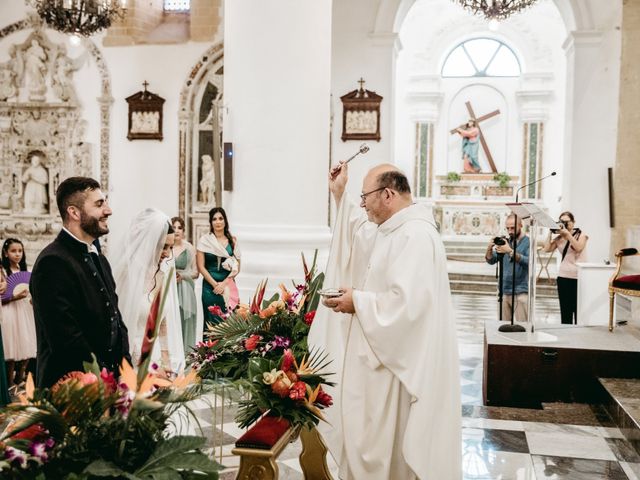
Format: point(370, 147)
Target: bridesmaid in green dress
point(4, 385)
point(186, 272)
point(218, 260)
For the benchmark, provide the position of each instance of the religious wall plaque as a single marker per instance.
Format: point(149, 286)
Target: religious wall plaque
point(145, 115)
point(361, 114)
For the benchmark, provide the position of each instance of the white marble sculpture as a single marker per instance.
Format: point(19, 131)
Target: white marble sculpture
point(35, 178)
point(208, 181)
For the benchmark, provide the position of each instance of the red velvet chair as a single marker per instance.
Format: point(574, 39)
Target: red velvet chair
point(625, 284)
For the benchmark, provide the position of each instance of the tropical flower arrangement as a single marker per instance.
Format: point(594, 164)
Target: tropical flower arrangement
point(289, 388)
point(264, 329)
point(91, 424)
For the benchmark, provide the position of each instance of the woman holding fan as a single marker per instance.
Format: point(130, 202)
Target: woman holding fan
point(18, 324)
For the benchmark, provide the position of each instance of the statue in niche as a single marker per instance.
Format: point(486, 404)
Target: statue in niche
point(208, 181)
point(35, 178)
point(35, 71)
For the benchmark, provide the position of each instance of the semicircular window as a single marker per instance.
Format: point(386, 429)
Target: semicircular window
point(481, 57)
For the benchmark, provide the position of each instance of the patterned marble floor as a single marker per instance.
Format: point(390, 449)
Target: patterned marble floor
point(560, 442)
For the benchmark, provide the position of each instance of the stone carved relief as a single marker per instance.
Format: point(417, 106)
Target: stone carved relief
point(38, 70)
point(41, 138)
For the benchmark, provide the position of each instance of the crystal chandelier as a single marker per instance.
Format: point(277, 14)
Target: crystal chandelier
point(79, 17)
point(495, 9)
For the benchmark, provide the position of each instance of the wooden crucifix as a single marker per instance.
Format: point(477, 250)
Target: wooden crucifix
point(485, 147)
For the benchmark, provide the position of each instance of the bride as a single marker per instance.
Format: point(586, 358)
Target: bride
point(146, 258)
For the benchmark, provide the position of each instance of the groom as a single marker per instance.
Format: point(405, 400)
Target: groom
point(74, 294)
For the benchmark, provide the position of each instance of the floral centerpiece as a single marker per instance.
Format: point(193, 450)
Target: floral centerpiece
point(289, 388)
point(261, 349)
point(91, 424)
point(263, 329)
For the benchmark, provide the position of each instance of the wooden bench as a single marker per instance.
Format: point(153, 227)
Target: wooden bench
point(261, 445)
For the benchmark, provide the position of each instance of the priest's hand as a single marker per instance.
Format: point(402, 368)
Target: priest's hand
point(338, 177)
point(343, 303)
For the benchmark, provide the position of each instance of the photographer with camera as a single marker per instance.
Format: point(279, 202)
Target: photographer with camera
point(571, 242)
point(501, 249)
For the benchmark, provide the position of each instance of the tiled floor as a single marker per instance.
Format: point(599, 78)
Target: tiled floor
point(561, 442)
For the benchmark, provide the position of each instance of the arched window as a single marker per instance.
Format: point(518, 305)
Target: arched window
point(177, 5)
point(481, 57)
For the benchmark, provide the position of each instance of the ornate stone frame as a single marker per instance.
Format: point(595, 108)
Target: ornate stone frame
point(211, 60)
point(105, 100)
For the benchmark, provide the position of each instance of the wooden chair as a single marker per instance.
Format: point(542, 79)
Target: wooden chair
point(625, 284)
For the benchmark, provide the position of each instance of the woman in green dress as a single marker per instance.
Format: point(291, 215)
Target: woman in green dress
point(186, 272)
point(218, 260)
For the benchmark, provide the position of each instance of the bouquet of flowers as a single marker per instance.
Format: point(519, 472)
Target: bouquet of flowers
point(263, 329)
point(90, 424)
point(288, 387)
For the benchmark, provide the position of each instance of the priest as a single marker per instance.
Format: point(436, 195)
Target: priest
point(391, 336)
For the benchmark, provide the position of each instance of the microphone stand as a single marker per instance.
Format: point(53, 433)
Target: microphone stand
point(513, 327)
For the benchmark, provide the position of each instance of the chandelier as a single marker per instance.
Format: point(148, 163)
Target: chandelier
point(495, 9)
point(79, 17)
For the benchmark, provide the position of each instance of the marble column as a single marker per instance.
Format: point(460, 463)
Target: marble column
point(626, 183)
point(590, 134)
point(276, 106)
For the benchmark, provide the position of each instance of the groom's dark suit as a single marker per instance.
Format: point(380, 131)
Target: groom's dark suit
point(76, 310)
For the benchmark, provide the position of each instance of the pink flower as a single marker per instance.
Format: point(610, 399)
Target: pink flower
point(309, 316)
point(287, 360)
point(298, 391)
point(251, 343)
point(215, 310)
point(324, 399)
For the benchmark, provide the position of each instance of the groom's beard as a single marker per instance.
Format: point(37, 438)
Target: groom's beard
point(91, 225)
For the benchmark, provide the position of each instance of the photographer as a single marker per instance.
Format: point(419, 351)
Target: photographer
point(571, 242)
point(501, 248)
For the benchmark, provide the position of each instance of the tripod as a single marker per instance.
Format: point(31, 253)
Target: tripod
point(500, 276)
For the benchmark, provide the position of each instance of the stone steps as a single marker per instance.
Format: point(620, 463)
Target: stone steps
point(624, 406)
point(488, 285)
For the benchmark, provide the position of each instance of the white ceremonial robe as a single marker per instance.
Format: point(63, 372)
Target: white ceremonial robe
point(396, 412)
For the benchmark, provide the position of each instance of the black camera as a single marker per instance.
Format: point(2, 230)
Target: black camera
point(562, 225)
point(499, 241)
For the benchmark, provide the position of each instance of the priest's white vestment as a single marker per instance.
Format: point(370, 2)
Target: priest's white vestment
point(396, 412)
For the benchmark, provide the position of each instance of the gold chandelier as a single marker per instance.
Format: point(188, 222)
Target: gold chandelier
point(495, 9)
point(79, 17)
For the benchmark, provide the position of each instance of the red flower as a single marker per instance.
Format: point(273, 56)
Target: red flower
point(34, 433)
point(215, 310)
point(251, 343)
point(309, 316)
point(281, 387)
point(298, 391)
point(109, 380)
point(287, 360)
point(324, 399)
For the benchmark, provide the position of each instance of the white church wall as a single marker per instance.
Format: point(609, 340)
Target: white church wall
point(357, 53)
point(592, 115)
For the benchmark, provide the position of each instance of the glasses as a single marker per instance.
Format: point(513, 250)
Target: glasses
point(363, 197)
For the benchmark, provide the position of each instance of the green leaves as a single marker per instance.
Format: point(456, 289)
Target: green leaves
point(175, 458)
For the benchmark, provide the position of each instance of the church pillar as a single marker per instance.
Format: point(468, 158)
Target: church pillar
point(590, 133)
point(626, 175)
point(276, 105)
